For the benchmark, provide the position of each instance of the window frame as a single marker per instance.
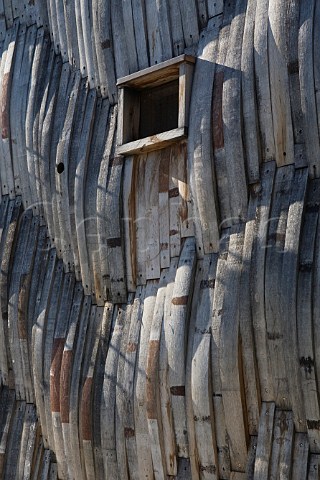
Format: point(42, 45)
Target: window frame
point(179, 68)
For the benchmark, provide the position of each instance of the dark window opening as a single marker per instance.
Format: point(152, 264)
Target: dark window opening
point(159, 109)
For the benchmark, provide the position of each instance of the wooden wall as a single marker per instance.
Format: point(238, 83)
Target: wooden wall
point(159, 312)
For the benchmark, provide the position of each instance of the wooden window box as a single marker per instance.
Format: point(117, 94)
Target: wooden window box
point(154, 106)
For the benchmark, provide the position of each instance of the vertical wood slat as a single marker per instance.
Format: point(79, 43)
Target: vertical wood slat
point(288, 300)
point(201, 175)
point(232, 387)
point(115, 246)
point(279, 83)
point(140, 407)
point(175, 335)
point(307, 81)
point(273, 267)
point(201, 374)
point(304, 315)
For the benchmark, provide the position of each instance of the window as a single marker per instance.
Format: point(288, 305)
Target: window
point(154, 106)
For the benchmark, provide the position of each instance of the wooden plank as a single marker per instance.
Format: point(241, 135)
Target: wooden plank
point(145, 467)
point(304, 311)
point(177, 32)
point(6, 79)
point(13, 328)
point(74, 149)
point(36, 71)
point(215, 8)
point(156, 74)
point(289, 304)
point(138, 185)
point(42, 74)
point(44, 163)
point(3, 27)
point(128, 222)
point(58, 122)
point(29, 421)
point(79, 189)
point(155, 142)
point(258, 281)
point(3, 349)
point(86, 405)
point(159, 46)
point(14, 441)
point(164, 225)
point(127, 9)
point(316, 63)
point(188, 13)
point(281, 457)
point(52, 8)
point(61, 168)
point(273, 269)
point(300, 456)
point(249, 103)
point(61, 23)
point(29, 302)
point(306, 77)
point(108, 400)
point(38, 342)
point(279, 84)
point(231, 114)
point(115, 246)
point(131, 355)
point(217, 310)
point(202, 13)
point(15, 106)
point(71, 32)
point(75, 384)
point(164, 390)
point(6, 266)
point(90, 207)
point(220, 161)
point(174, 202)
point(59, 340)
point(232, 387)
point(251, 458)
point(313, 471)
point(120, 395)
point(175, 337)
point(264, 444)
point(8, 13)
point(201, 174)
point(23, 85)
point(250, 373)
point(103, 39)
point(201, 377)
point(29, 13)
point(53, 308)
point(40, 117)
point(156, 433)
point(292, 33)
point(24, 325)
point(66, 373)
point(101, 213)
point(98, 386)
point(86, 16)
point(7, 409)
point(151, 230)
point(80, 39)
point(262, 67)
point(119, 42)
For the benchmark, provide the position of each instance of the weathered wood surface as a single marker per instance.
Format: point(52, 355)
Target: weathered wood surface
point(209, 367)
